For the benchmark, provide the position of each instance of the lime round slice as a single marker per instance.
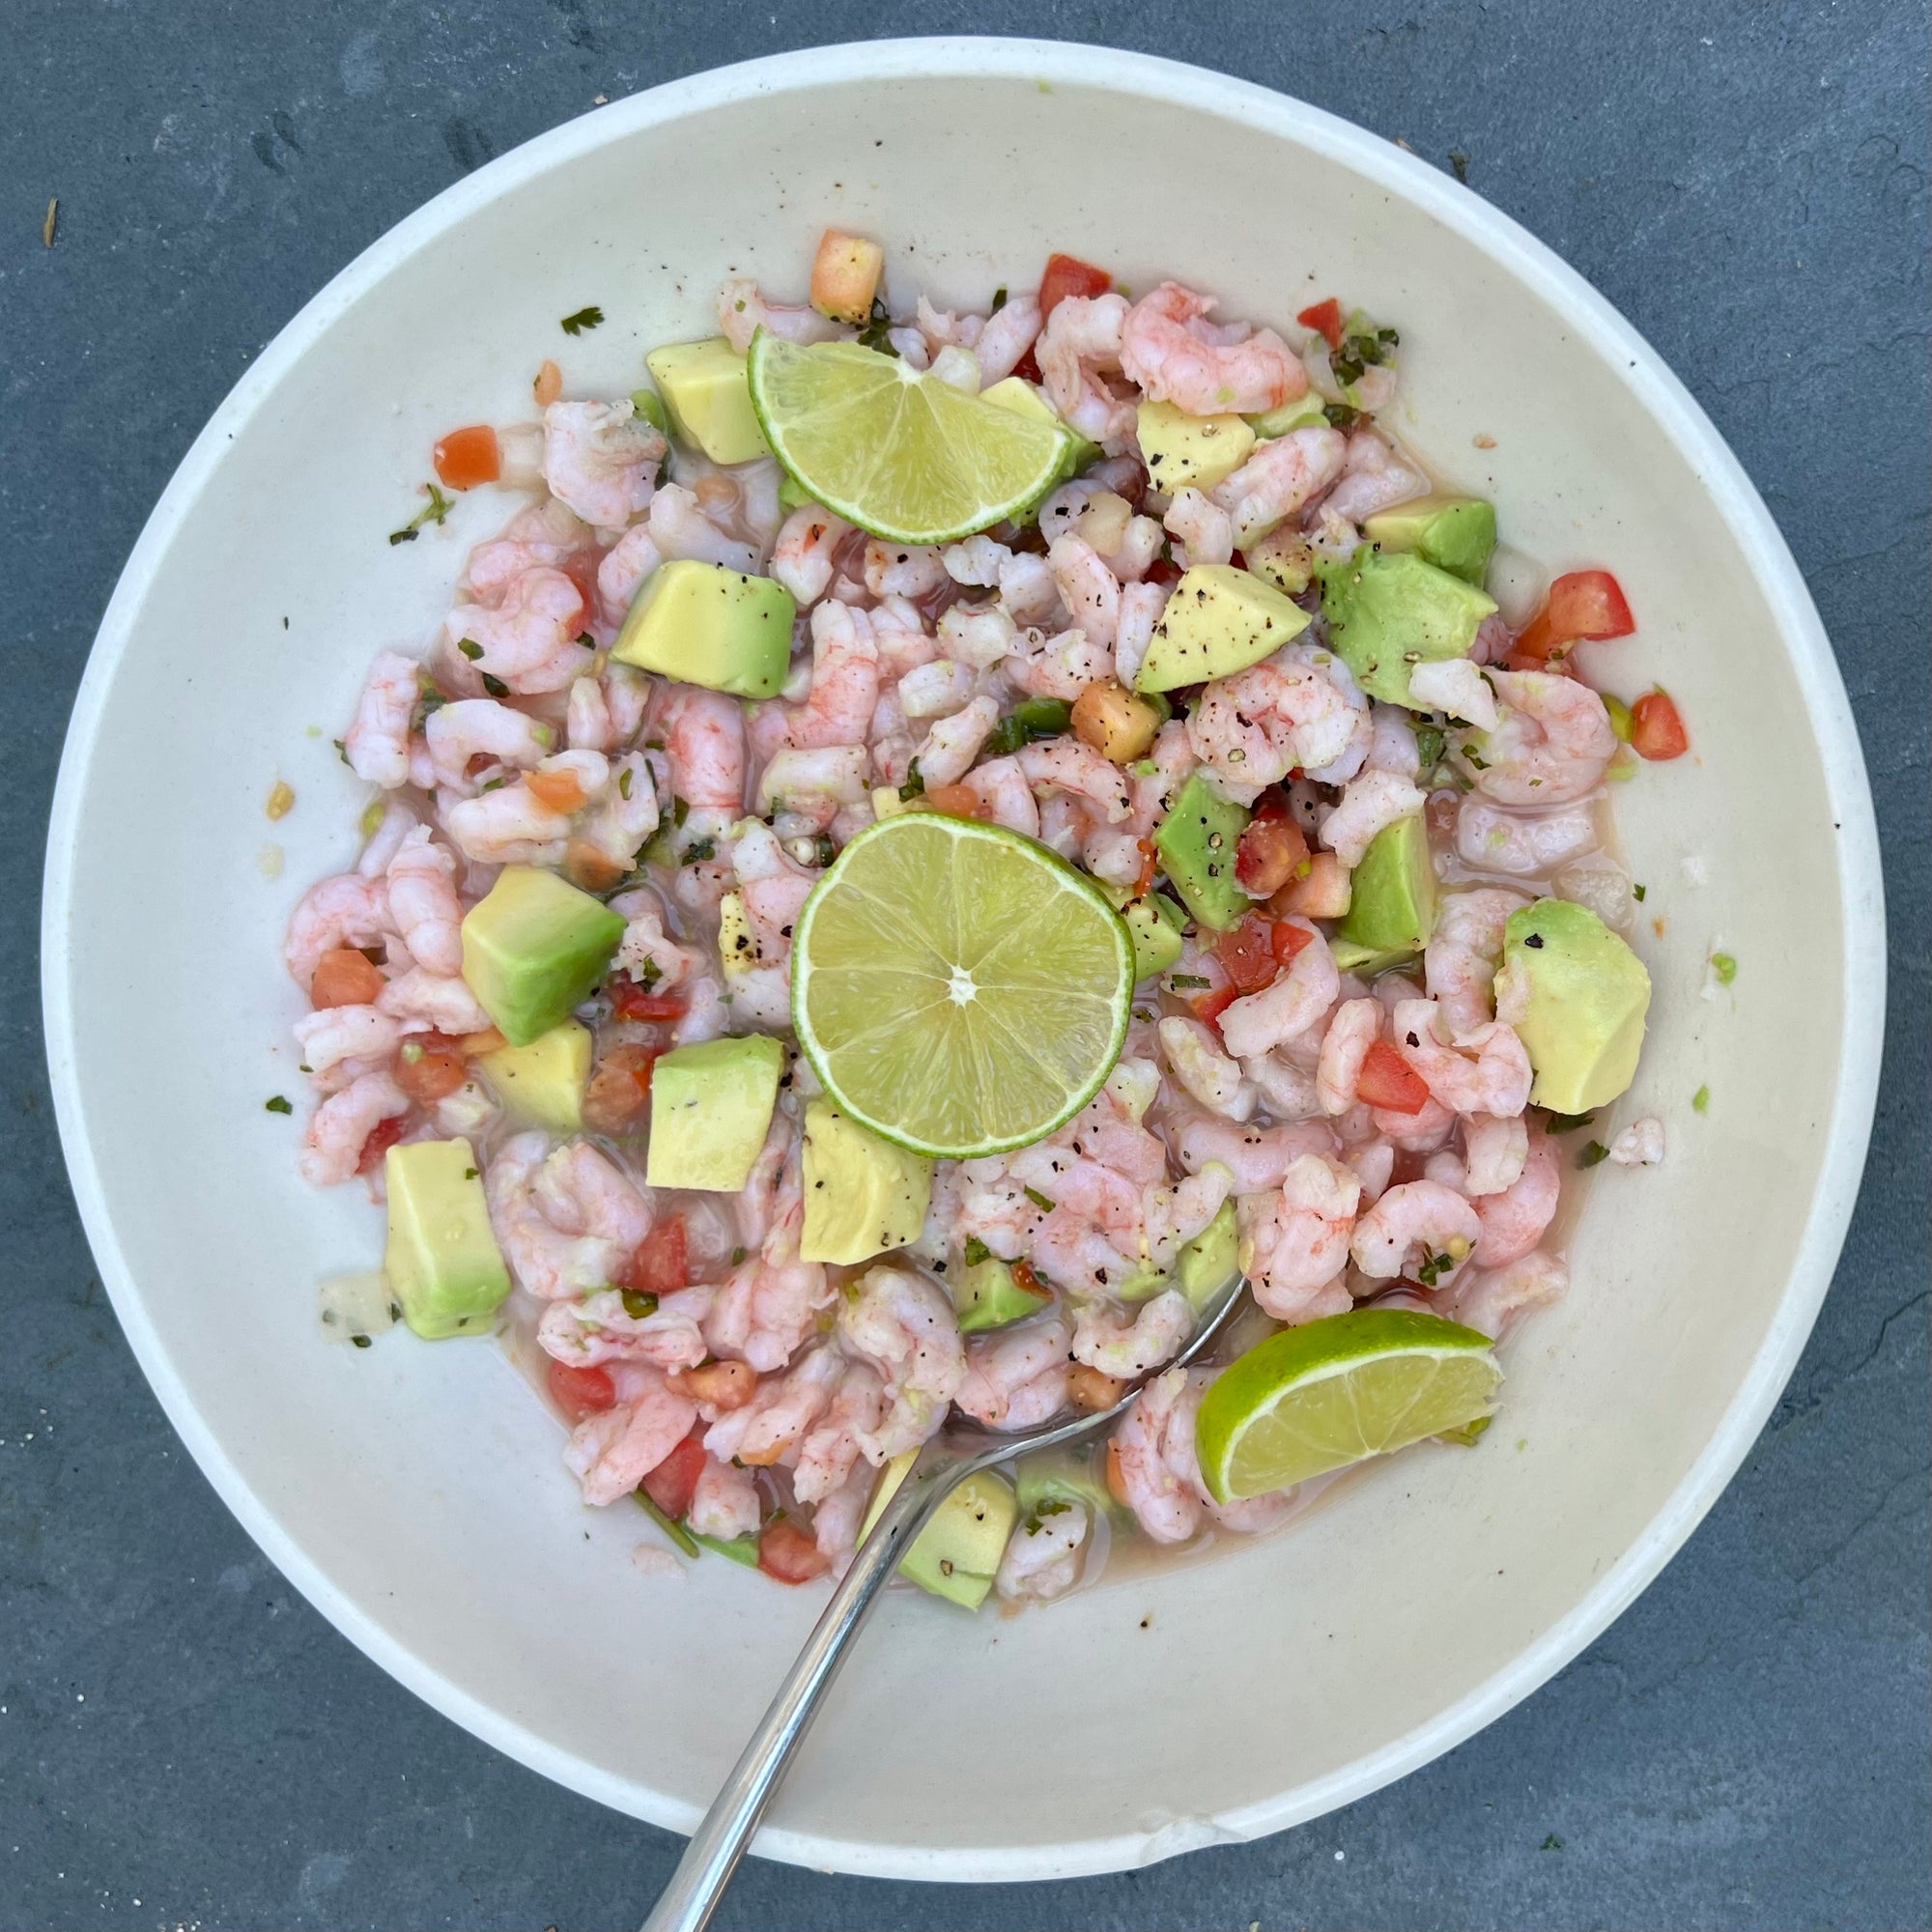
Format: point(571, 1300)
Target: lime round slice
point(898, 453)
point(1339, 1390)
point(959, 988)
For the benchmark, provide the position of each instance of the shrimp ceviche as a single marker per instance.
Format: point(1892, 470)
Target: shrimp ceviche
point(933, 848)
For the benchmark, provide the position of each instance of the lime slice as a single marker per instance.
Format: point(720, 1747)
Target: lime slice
point(895, 452)
point(959, 988)
point(1335, 1391)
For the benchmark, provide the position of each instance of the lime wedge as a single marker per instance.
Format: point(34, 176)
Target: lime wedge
point(1336, 1391)
point(896, 452)
point(959, 988)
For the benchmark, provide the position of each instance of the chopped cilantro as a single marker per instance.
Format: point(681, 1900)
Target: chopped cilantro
point(495, 686)
point(1568, 1124)
point(679, 811)
point(977, 1251)
point(1040, 1199)
point(471, 649)
point(1639, 893)
point(1339, 415)
point(651, 974)
point(360, 1341)
point(999, 299)
point(876, 333)
point(695, 855)
point(277, 1104)
point(1552, 1843)
point(434, 511)
point(1176, 980)
point(915, 785)
point(1593, 1152)
point(585, 318)
point(624, 783)
point(1429, 742)
point(737, 1256)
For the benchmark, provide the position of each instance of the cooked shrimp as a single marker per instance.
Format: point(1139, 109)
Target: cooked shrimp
point(1252, 730)
point(812, 785)
point(844, 681)
point(1355, 1027)
point(552, 1259)
point(1374, 477)
point(1202, 1071)
point(1008, 333)
point(804, 558)
point(1495, 839)
point(1258, 1158)
point(903, 1324)
point(1068, 766)
point(1105, 1340)
point(1255, 1024)
point(602, 460)
point(377, 743)
point(1140, 606)
point(1176, 355)
point(1201, 524)
point(945, 753)
point(1490, 1298)
point(332, 1146)
point(1062, 665)
point(1276, 480)
point(336, 1033)
point(1087, 589)
point(1460, 960)
point(1374, 1164)
point(1370, 804)
point(480, 727)
point(507, 827)
point(1456, 687)
point(530, 641)
point(936, 688)
point(1419, 1132)
point(705, 740)
point(1079, 347)
point(599, 1329)
point(680, 528)
point(1166, 1502)
point(347, 910)
point(613, 1452)
point(434, 1002)
point(769, 1302)
point(397, 822)
point(1485, 1071)
point(742, 311)
point(1294, 1241)
point(1496, 1150)
point(646, 951)
point(903, 570)
point(624, 570)
point(424, 905)
point(774, 889)
point(1392, 745)
point(1016, 1378)
point(1002, 788)
point(1514, 1220)
point(1287, 1088)
point(830, 1449)
point(1553, 743)
point(544, 535)
point(1042, 1555)
point(1639, 1145)
point(724, 1503)
point(1415, 1215)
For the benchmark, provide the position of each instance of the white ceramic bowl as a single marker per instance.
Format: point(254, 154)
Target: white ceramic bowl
point(414, 1493)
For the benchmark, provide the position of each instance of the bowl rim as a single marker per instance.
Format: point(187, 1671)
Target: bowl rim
point(1655, 389)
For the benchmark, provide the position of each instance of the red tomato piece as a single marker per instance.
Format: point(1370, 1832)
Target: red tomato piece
point(382, 1136)
point(430, 1068)
point(1068, 275)
point(1210, 1006)
point(1247, 954)
point(632, 1002)
point(619, 1089)
point(659, 1264)
point(467, 457)
point(581, 1392)
point(1289, 940)
point(1273, 849)
point(1583, 604)
point(345, 978)
point(1325, 316)
point(1657, 731)
point(671, 1484)
point(788, 1553)
point(1389, 1082)
point(957, 800)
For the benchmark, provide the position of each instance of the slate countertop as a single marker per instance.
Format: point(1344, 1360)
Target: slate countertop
point(185, 1742)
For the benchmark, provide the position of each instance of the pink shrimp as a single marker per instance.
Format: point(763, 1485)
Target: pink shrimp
point(1067, 765)
point(1042, 1555)
point(1489, 1300)
point(1276, 480)
point(1201, 524)
point(1160, 1473)
point(1485, 1071)
point(1210, 1078)
point(601, 460)
point(680, 528)
point(1412, 1215)
point(347, 910)
point(424, 905)
point(742, 311)
point(544, 535)
point(770, 1301)
point(724, 1503)
point(377, 743)
point(1460, 960)
point(1370, 804)
point(1374, 477)
point(1010, 333)
point(613, 1452)
point(1499, 840)
point(1059, 665)
point(1294, 1241)
point(705, 740)
point(1354, 1028)
point(530, 641)
point(480, 727)
point(1016, 1378)
point(1553, 745)
point(1258, 1158)
point(1289, 1007)
point(332, 1146)
point(1513, 1221)
point(844, 681)
point(553, 1258)
point(600, 1328)
point(333, 1035)
point(780, 1413)
point(1076, 351)
point(1087, 589)
point(1104, 1338)
point(509, 826)
point(624, 571)
point(434, 1002)
point(904, 1325)
point(1176, 355)
point(829, 1450)
point(1496, 1150)
point(1252, 730)
point(805, 556)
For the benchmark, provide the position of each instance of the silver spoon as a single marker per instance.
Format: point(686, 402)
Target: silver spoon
point(959, 1451)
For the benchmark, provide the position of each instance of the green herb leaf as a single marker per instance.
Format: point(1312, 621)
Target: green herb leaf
point(1176, 980)
point(1639, 893)
point(679, 811)
point(1429, 743)
point(1040, 1199)
point(585, 318)
point(471, 649)
point(1593, 1152)
point(1567, 1123)
point(1339, 415)
point(670, 1526)
point(738, 1255)
point(696, 854)
point(495, 686)
point(876, 334)
point(999, 299)
point(915, 785)
point(277, 1104)
point(360, 1341)
point(407, 534)
point(977, 1251)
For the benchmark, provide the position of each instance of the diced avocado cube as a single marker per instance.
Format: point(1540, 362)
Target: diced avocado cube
point(1063, 1475)
point(1196, 844)
point(710, 401)
point(1179, 450)
point(1583, 994)
point(957, 1553)
point(1455, 534)
point(544, 1081)
point(1017, 394)
point(1153, 924)
point(1304, 412)
point(988, 1295)
point(863, 1195)
point(534, 946)
point(737, 943)
point(1365, 960)
point(700, 623)
point(1393, 905)
point(711, 1108)
point(1389, 611)
point(1218, 620)
point(647, 405)
point(444, 1264)
point(1210, 1260)
point(793, 494)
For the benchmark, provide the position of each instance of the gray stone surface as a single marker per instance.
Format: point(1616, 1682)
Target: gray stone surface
point(183, 1741)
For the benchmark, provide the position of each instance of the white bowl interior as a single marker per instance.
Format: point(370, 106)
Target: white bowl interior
point(415, 1492)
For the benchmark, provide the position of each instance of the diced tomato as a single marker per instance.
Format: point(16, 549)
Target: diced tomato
point(589, 868)
point(619, 1089)
point(957, 800)
point(1322, 892)
point(1583, 604)
point(1325, 316)
point(723, 1385)
point(1068, 275)
point(632, 1002)
point(659, 1265)
point(1273, 849)
point(1247, 954)
point(1657, 731)
point(788, 1554)
point(382, 1136)
point(1288, 940)
point(1163, 570)
point(671, 1484)
point(345, 978)
point(430, 1068)
point(581, 1392)
point(1210, 1006)
point(1388, 1081)
point(561, 792)
point(467, 457)
point(1027, 368)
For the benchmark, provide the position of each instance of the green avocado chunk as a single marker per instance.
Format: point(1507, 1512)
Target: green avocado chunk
point(700, 623)
point(957, 1553)
point(1179, 450)
point(1392, 907)
point(1210, 1261)
point(987, 1294)
point(1455, 534)
point(1063, 1475)
point(534, 946)
point(705, 390)
point(544, 1081)
point(1218, 620)
point(711, 1108)
point(863, 1195)
point(1583, 994)
point(444, 1264)
point(1153, 924)
point(1389, 611)
point(1306, 411)
point(1196, 844)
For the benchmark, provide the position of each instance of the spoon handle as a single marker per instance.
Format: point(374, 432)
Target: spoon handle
point(687, 1902)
